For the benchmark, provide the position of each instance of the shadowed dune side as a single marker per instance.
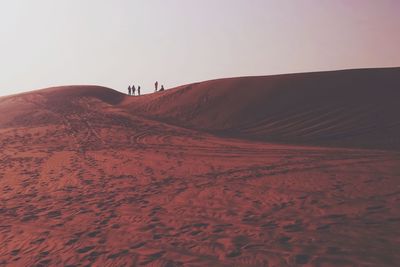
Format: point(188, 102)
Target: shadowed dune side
point(350, 108)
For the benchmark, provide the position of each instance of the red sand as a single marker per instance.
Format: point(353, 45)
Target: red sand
point(86, 179)
point(353, 108)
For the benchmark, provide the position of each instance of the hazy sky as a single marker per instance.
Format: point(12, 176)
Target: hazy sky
point(118, 42)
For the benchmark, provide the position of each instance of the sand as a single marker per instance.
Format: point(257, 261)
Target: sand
point(90, 177)
point(351, 108)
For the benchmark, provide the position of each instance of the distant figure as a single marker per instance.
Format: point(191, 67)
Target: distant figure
point(129, 90)
point(133, 90)
point(162, 88)
point(138, 90)
point(156, 86)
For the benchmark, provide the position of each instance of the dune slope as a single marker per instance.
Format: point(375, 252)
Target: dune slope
point(351, 108)
point(48, 106)
point(86, 180)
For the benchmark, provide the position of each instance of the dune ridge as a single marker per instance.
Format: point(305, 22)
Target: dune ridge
point(350, 108)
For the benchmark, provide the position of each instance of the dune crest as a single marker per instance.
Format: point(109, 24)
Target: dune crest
point(350, 108)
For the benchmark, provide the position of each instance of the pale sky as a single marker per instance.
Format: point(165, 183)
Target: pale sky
point(115, 43)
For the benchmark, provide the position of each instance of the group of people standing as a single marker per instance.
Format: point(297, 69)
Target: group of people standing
point(132, 89)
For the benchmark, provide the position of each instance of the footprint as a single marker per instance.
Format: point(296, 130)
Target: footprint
point(71, 241)
point(54, 214)
point(296, 227)
point(85, 249)
point(119, 254)
point(270, 225)
point(240, 241)
point(336, 216)
point(302, 259)
point(15, 252)
point(152, 257)
point(38, 241)
point(44, 263)
point(284, 239)
point(323, 227)
point(374, 208)
point(93, 234)
point(137, 245)
point(234, 253)
point(333, 250)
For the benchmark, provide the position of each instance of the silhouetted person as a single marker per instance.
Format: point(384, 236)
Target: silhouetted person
point(138, 90)
point(162, 88)
point(133, 90)
point(129, 90)
point(156, 86)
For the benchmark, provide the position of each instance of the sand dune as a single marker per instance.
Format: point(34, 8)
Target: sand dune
point(352, 108)
point(90, 177)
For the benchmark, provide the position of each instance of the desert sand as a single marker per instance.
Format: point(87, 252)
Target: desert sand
point(286, 170)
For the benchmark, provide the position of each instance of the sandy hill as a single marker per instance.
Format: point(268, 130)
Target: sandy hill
point(48, 106)
point(356, 108)
point(351, 108)
point(91, 177)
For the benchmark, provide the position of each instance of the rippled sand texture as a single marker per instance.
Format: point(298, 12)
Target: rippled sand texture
point(87, 179)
